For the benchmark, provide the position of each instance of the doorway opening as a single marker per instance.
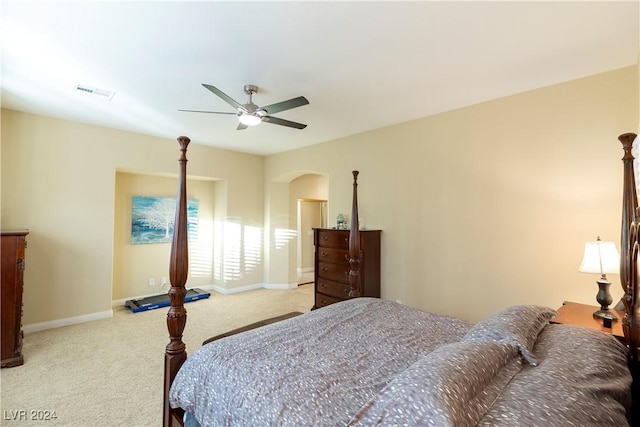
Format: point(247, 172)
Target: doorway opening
point(311, 213)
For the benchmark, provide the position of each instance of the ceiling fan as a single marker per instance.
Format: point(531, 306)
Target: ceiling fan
point(250, 114)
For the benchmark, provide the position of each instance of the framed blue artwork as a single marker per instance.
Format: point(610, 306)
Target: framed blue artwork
point(152, 219)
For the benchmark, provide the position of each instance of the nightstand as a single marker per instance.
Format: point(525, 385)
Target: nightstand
point(582, 314)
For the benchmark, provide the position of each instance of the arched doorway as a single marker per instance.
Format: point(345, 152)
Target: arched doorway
point(312, 214)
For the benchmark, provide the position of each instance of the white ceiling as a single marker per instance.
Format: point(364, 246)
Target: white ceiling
point(362, 65)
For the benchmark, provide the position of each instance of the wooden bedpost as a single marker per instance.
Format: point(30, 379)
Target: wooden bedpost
point(629, 205)
point(176, 352)
point(629, 246)
point(355, 254)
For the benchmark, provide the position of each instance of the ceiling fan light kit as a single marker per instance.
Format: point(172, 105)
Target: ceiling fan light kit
point(250, 114)
point(249, 119)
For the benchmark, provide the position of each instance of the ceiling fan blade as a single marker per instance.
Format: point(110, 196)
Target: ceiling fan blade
point(227, 98)
point(282, 122)
point(285, 105)
point(210, 112)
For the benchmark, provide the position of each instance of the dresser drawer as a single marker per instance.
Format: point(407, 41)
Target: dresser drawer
point(337, 272)
point(329, 287)
point(324, 300)
point(338, 239)
point(338, 256)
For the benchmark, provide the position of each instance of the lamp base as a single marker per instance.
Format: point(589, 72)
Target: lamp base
point(605, 314)
point(604, 299)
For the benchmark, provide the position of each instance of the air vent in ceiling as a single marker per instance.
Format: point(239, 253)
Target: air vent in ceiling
point(95, 92)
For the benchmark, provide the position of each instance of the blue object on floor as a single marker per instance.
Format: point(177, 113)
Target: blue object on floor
point(162, 300)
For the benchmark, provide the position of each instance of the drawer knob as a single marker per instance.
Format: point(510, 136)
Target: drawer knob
point(324, 253)
point(325, 269)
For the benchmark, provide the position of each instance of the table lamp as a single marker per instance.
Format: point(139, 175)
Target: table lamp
point(602, 258)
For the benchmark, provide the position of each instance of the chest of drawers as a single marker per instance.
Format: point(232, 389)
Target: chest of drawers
point(331, 267)
point(13, 252)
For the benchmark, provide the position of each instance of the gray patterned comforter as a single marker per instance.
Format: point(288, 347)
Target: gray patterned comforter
point(367, 362)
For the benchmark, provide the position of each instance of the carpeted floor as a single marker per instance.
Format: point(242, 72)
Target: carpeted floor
point(306, 278)
point(110, 372)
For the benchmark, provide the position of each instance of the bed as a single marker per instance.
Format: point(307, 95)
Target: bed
point(367, 361)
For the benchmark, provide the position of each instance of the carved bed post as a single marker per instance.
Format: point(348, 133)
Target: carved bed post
point(629, 247)
point(176, 352)
point(629, 204)
point(355, 255)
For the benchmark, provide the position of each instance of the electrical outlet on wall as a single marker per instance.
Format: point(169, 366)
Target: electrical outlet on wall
point(163, 281)
point(152, 282)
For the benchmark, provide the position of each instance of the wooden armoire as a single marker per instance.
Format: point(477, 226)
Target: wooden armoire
point(13, 254)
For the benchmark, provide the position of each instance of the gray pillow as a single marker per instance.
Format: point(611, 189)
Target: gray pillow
point(518, 325)
point(582, 380)
point(455, 385)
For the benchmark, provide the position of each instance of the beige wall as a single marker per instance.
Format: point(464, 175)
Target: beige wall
point(489, 205)
point(58, 180)
point(281, 233)
point(480, 207)
point(306, 214)
point(135, 264)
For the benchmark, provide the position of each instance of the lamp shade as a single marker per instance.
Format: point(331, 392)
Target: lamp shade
point(600, 257)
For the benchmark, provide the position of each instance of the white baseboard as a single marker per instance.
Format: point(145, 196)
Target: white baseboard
point(219, 289)
point(35, 327)
point(280, 286)
point(208, 288)
point(229, 291)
